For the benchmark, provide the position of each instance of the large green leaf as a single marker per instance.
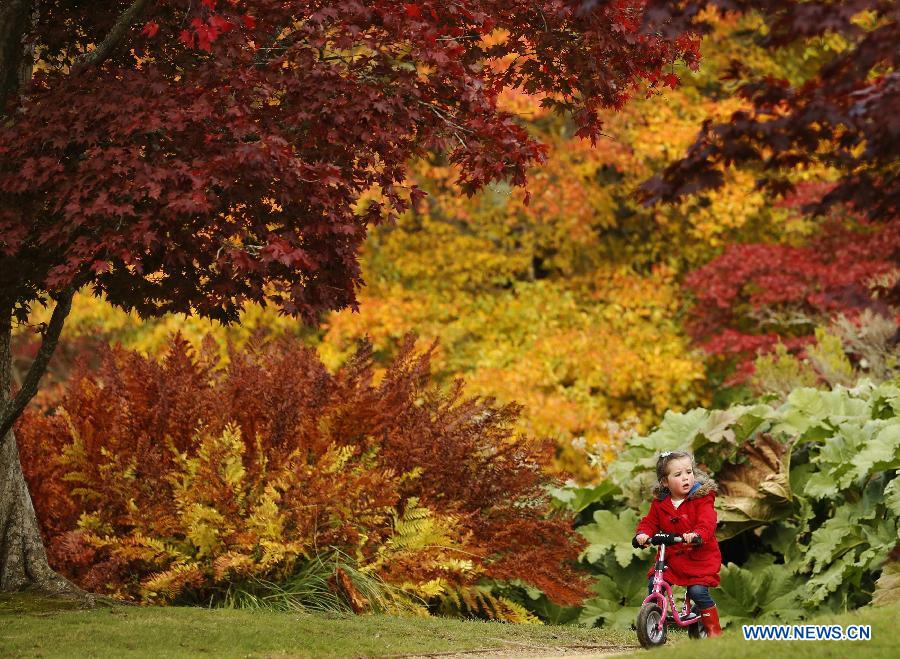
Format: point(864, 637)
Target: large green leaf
point(759, 591)
point(577, 499)
point(886, 401)
point(632, 580)
point(677, 430)
point(610, 532)
point(821, 485)
point(833, 539)
point(807, 411)
point(553, 613)
point(596, 610)
point(819, 587)
point(618, 597)
point(892, 497)
point(882, 451)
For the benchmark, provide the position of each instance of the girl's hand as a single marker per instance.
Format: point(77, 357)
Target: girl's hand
point(642, 538)
point(689, 536)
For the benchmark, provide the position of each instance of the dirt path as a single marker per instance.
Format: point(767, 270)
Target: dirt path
point(519, 650)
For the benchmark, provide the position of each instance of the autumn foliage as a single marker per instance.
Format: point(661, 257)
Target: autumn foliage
point(755, 296)
point(168, 481)
point(214, 155)
point(840, 114)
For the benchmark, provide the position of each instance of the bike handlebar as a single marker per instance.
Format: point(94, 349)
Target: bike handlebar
point(665, 539)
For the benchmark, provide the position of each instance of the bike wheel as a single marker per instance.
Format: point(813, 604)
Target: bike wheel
point(648, 631)
point(697, 630)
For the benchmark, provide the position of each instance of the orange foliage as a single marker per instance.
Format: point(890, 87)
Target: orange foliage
point(163, 481)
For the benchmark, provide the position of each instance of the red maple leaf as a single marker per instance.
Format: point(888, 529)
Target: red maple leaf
point(150, 29)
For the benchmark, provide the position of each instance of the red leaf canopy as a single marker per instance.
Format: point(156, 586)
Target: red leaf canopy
point(196, 156)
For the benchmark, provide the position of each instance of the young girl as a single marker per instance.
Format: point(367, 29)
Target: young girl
point(683, 505)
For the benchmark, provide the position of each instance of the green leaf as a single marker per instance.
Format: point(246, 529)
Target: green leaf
point(717, 428)
point(759, 590)
point(736, 595)
point(610, 532)
point(892, 496)
point(819, 587)
point(553, 613)
point(886, 401)
point(596, 610)
point(631, 581)
point(676, 431)
point(881, 452)
point(808, 410)
point(623, 617)
point(618, 600)
point(821, 486)
point(577, 499)
point(831, 540)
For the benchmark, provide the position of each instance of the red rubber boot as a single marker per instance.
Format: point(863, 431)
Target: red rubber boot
point(710, 619)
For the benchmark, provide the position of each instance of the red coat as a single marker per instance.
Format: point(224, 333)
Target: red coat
point(688, 565)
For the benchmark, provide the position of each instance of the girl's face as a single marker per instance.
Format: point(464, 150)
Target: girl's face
point(680, 478)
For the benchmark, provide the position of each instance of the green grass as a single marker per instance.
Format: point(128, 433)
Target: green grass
point(33, 626)
point(884, 622)
point(38, 627)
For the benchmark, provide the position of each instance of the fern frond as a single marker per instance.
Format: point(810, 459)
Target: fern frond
point(232, 564)
point(171, 583)
point(480, 602)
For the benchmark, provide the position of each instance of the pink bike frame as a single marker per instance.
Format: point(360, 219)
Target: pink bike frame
point(662, 595)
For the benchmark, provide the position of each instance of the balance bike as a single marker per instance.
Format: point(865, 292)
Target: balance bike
point(659, 608)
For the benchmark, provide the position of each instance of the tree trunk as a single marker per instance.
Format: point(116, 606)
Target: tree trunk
point(23, 562)
point(15, 55)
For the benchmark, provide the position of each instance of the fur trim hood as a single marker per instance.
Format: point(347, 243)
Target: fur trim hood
point(704, 485)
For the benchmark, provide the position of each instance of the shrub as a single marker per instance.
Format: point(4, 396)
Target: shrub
point(809, 487)
point(198, 477)
point(754, 297)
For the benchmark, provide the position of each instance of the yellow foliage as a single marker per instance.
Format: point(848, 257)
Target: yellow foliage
point(479, 602)
point(170, 583)
point(265, 518)
point(576, 360)
point(432, 543)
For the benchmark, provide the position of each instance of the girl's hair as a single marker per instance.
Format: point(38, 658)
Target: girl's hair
point(660, 491)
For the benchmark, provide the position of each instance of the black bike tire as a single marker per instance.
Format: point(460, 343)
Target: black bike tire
point(641, 625)
point(697, 630)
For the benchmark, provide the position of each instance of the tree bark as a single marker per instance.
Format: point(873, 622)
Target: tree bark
point(114, 38)
point(15, 64)
point(23, 561)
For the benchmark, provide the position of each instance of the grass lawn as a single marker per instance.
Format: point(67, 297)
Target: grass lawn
point(41, 627)
point(884, 621)
point(33, 627)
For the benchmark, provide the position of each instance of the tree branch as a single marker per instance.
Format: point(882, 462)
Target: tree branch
point(14, 21)
point(13, 408)
point(100, 54)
